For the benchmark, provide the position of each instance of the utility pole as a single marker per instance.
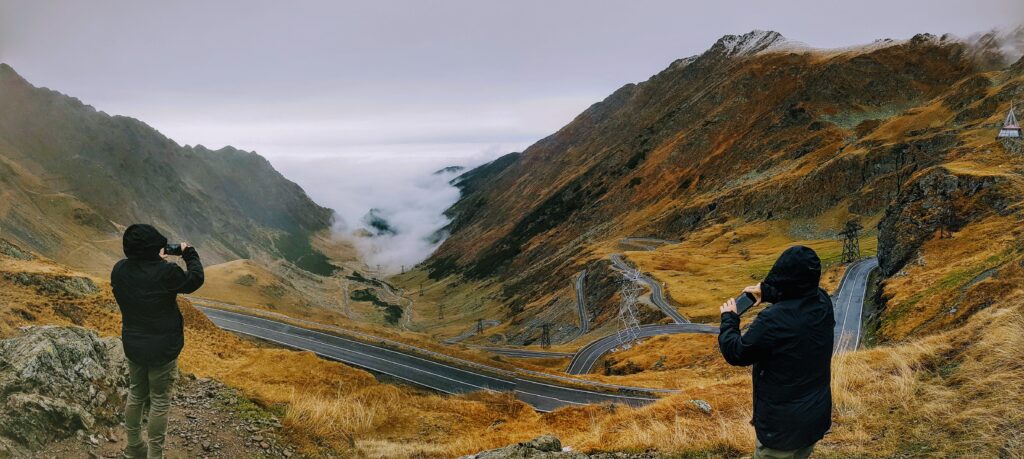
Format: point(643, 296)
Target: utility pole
point(440, 311)
point(629, 326)
point(421, 288)
point(403, 269)
point(851, 241)
point(545, 336)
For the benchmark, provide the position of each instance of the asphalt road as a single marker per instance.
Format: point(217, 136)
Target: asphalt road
point(417, 370)
point(849, 304)
point(585, 359)
point(525, 353)
point(657, 295)
point(581, 304)
point(645, 243)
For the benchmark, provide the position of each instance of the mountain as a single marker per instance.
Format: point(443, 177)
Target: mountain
point(752, 145)
point(72, 177)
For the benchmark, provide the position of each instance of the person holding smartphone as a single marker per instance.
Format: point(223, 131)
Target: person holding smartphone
point(146, 287)
point(790, 346)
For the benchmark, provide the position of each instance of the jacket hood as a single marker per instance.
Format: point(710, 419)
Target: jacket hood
point(143, 242)
point(795, 274)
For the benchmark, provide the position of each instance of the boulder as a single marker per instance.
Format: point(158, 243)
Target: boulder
point(544, 446)
point(55, 381)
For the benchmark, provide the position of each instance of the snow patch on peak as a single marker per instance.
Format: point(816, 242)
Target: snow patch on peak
point(749, 43)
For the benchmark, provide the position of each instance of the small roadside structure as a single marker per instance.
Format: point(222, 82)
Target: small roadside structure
point(1011, 127)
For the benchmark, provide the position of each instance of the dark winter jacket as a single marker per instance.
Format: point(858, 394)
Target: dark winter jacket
point(790, 346)
point(146, 289)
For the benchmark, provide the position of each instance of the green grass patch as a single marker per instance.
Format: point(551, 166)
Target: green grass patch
point(247, 410)
point(392, 312)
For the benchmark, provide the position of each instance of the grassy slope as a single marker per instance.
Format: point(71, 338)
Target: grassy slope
point(89, 175)
point(953, 393)
point(773, 142)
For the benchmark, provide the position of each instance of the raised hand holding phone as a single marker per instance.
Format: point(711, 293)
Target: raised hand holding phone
point(750, 297)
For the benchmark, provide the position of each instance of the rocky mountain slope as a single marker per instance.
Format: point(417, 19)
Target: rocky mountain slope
point(72, 177)
point(755, 136)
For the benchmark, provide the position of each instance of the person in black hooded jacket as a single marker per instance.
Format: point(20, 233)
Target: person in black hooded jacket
point(790, 346)
point(146, 288)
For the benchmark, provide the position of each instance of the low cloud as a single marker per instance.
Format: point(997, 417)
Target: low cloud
point(402, 189)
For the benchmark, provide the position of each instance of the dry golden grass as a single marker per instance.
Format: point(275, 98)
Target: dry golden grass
point(955, 277)
point(953, 394)
point(717, 262)
point(246, 283)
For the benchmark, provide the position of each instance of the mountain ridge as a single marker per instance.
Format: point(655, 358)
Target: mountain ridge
point(114, 170)
point(754, 131)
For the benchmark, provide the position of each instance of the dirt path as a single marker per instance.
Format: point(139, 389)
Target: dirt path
point(207, 420)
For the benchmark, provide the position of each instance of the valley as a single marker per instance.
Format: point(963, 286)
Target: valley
point(697, 178)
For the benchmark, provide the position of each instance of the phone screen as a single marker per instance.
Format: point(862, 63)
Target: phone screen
point(744, 302)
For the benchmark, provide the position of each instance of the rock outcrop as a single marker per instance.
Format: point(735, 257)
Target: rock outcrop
point(935, 200)
point(549, 447)
point(55, 381)
point(55, 284)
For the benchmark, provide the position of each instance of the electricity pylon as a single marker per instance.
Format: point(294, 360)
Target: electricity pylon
point(545, 335)
point(629, 326)
point(851, 241)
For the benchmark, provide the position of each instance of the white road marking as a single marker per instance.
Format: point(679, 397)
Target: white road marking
point(421, 383)
point(360, 353)
point(362, 343)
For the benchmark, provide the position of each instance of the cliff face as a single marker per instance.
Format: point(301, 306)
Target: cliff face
point(72, 177)
point(754, 129)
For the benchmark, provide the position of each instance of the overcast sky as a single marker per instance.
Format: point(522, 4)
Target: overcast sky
point(330, 77)
point(408, 86)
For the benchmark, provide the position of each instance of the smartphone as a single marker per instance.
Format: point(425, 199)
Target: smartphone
point(744, 302)
point(173, 249)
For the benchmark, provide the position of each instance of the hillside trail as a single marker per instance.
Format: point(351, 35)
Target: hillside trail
point(83, 244)
point(207, 420)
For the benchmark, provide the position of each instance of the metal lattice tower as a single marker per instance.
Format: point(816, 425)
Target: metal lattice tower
point(629, 326)
point(851, 241)
point(545, 335)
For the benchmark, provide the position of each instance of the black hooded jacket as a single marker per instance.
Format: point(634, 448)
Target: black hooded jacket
point(146, 289)
point(790, 346)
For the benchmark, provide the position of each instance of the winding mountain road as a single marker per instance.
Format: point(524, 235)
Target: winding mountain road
point(420, 370)
point(525, 353)
point(428, 369)
point(657, 295)
point(848, 302)
point(585, 359)
point(581, 304)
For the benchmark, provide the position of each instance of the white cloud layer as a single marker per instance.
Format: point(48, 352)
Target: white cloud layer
point(401, 184)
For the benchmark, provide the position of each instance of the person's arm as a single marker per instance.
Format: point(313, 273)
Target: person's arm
point(188, 281)
point(746, 349)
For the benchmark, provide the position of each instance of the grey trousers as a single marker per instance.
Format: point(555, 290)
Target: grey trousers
point(152, 386)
